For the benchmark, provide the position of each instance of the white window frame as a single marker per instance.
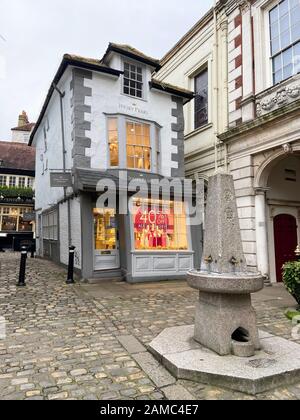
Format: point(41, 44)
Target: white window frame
point(269, 70)
point(122, 140)
point(144, 79)
point(29, 183)
point(4, 181)
point(23, 178)
point(11, 177)
point(47, 226)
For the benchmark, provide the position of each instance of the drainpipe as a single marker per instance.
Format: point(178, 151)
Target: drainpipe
point(61, 97)
point(215, 86)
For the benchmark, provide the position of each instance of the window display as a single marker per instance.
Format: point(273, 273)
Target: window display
point(11, 219)
point(157, 226)
point(138, 146)
point(113, 141)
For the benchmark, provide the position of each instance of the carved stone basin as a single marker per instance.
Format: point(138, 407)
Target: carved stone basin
point(236, 284)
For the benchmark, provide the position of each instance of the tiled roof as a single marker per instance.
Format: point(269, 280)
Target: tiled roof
point(86, 60)
point(16, 156)
point(27, 127)
point(168, 86)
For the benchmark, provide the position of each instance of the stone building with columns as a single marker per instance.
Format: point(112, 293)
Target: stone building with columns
point(252, 96)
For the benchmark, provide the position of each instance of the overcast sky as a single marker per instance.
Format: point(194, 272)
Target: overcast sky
point(34, 34)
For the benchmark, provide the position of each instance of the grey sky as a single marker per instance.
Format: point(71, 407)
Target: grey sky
point(34, 34)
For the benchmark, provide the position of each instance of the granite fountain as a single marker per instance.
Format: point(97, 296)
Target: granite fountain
point(225, 347)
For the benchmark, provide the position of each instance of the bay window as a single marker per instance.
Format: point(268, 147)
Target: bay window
point(285, 39)
point(113, 141)
point(138, 146)
point(133, 144)
point(160, 225)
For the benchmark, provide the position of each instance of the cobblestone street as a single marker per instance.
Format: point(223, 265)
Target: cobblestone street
point(89, 341)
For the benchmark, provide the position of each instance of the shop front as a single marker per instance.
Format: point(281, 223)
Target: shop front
point(152, 241)
point(15, 226)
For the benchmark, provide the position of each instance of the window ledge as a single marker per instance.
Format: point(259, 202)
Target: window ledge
point(198, 131)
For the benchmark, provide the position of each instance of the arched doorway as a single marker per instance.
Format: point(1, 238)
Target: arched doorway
point(285, 240)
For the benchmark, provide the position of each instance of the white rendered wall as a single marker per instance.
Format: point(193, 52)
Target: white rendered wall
point(63, 233)
point(107, 98)
point(52, 158)
point(20, 136)
point(76, 230)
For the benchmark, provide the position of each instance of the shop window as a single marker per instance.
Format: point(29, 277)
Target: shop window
point(9, 223)
point(138, 146)
point(201, 99)
point(158, 227)
point(113, 140)
point(285, 39)
point(11, 219)
point(105, 231)
point(133, 80)
point(24, 226)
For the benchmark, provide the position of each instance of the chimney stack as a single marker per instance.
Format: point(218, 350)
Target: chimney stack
point(23, 119)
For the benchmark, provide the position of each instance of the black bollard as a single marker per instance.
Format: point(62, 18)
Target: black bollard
point(32, 250)
point(70, 279)
point(22, 267)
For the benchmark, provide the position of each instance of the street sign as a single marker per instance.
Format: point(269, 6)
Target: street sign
point(60, 180)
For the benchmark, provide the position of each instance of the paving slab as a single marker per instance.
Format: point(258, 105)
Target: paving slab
point(156, 372)
point(178, 393)
point(131, 344)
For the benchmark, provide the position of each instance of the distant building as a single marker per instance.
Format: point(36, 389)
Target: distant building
point(17, 171)
point(21, 133)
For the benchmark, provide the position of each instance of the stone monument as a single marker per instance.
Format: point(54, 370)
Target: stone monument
point(224, 347)
point(225, 320)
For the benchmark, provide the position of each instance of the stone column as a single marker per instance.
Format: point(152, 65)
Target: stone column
point(262, 251)
point(247, 58)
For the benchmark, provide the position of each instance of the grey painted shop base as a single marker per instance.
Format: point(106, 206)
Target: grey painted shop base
point(276, 364)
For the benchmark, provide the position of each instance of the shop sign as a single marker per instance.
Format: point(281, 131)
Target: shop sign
point(29, 217)
point(60, 180)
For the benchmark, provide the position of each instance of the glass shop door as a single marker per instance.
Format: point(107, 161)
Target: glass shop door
point(106, 243)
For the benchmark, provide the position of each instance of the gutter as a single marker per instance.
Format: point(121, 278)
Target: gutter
point(176, 92)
